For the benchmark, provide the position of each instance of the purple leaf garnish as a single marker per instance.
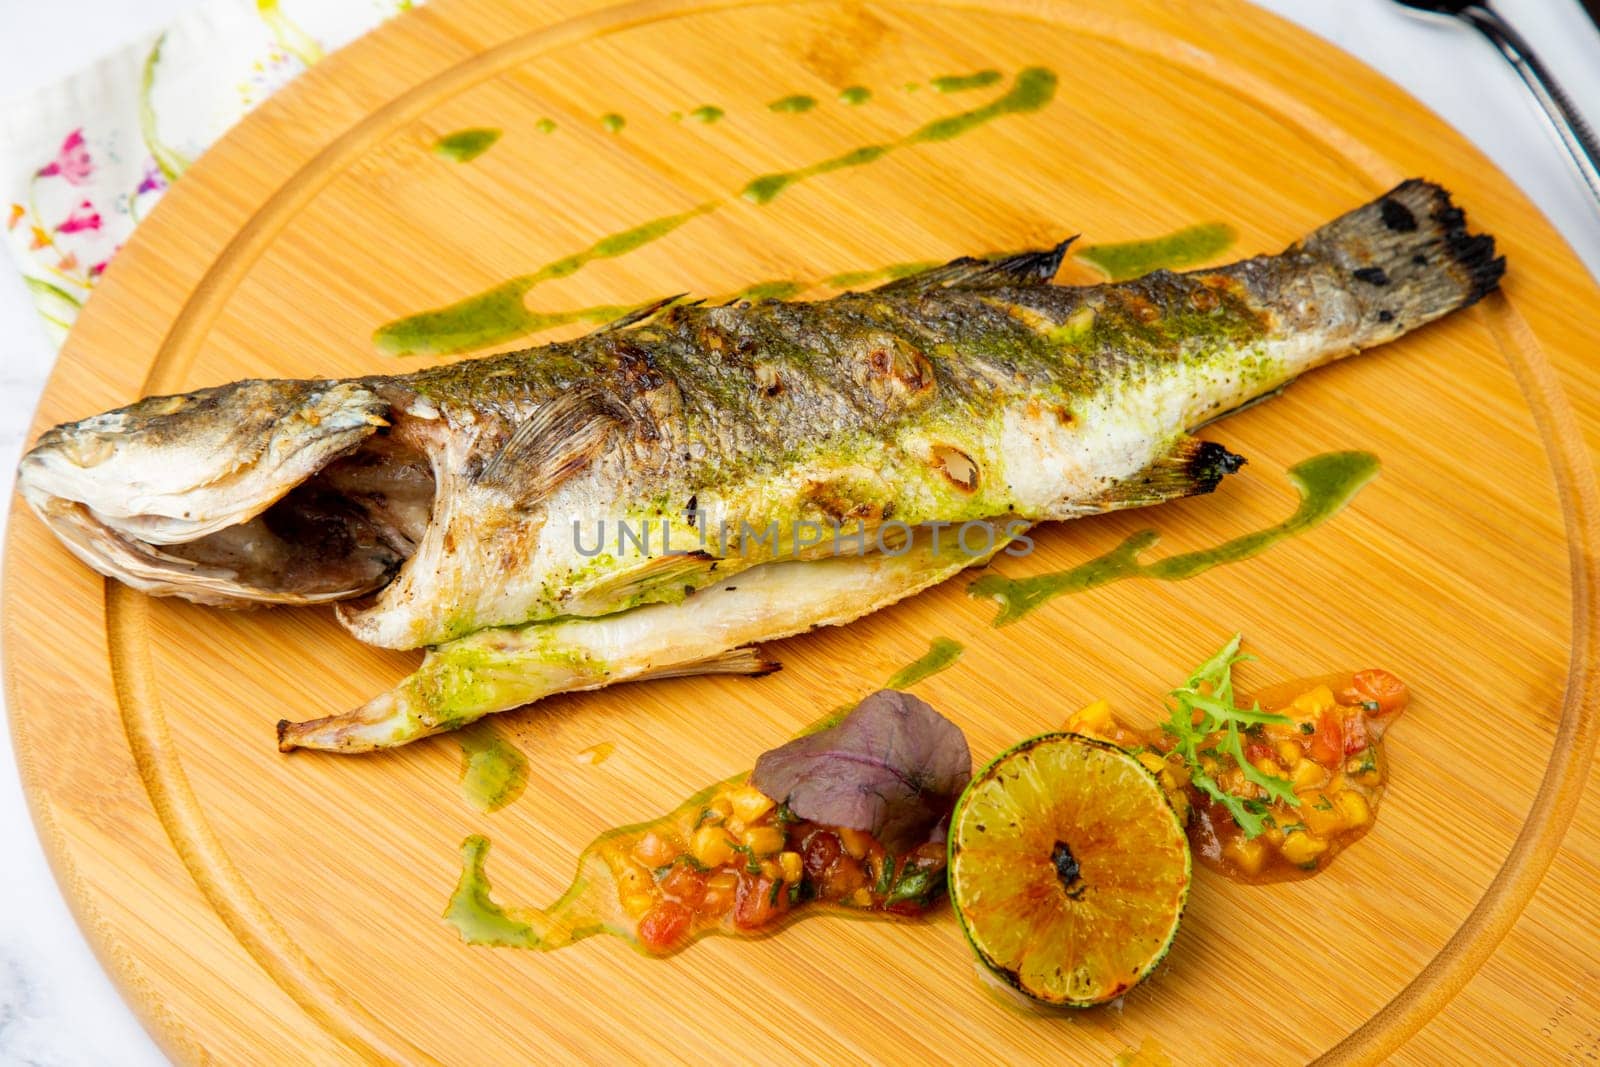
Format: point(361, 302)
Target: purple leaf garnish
point(893, 767)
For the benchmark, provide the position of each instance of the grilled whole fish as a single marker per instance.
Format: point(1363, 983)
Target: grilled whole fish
point(489, 493)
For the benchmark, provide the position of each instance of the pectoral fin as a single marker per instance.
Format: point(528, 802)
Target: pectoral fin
point(1192, 467)
point(551, 445)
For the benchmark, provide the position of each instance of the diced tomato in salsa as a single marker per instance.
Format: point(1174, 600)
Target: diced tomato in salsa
point(1329, 752)
point(740, 862)
point(664, 925)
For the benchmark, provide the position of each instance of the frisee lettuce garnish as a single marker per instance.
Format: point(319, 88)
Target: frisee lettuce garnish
point(1209, 692)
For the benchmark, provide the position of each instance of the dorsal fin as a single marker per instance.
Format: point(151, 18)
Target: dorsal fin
point(549, 446)
point(639, 314)
point(1036, 267)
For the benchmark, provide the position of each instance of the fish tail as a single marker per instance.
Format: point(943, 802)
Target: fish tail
point(1410, 257)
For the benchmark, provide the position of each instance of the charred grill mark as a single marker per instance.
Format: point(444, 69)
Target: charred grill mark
point(636, 369)
point(835, 501)
point(896, 372)
point(768, 380)
point(959, 468)
point(1396, 216)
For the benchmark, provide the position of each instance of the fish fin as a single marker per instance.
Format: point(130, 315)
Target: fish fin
point(1410, 258)
point(554, 443)
point(639, 314)
point(395, 717)
point(382, 722)
point(1192, 467)
point(622, 589)
point(1037, 267)
point(749, 660)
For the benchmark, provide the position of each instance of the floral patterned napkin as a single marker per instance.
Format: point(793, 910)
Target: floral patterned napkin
point(82, 161)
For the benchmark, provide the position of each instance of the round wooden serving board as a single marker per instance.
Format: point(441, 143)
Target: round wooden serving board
point(258, 907)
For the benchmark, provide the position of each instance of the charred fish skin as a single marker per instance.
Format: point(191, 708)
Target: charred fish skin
point(976, 390)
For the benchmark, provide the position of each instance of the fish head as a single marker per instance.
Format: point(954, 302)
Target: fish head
point(177, 494)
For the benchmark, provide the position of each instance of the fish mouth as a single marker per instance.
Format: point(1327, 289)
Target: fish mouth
point(255, 493)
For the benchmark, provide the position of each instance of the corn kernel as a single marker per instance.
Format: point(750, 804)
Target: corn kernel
point(1289, 752)
point(856, 844)
point(749, 803)
point(1152, 762)
point(861, 898)
point(1301, 848)
point(1319, 813)
point(763, 840)
point(792, 866)
point(1272, 836)
point(1353, 806)
point(633, 878)
point(1308, 774)
point(1094, 718)
point(712, 846)
point(636, 904)
point(721, 808)
point(735, 826)
point(771, 870)
point(1249, 856)
point(1269, 766)
point(1313, 702)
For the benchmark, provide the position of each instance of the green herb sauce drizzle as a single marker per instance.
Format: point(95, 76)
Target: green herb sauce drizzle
point(797, 104)
point(941, 655)
point(493, 772)
point(1326, 483)
point(960, 83)
point(499, 315)
point(1187, 247)
point(1033, 89)
point(463, 146)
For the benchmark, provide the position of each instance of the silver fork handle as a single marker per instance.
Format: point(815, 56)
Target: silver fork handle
point(1564, 118)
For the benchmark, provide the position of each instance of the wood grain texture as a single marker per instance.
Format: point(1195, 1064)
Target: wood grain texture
point(257, 908)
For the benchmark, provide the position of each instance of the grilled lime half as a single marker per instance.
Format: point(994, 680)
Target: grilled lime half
point(1068, 869)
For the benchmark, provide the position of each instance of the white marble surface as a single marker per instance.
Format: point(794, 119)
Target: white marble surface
point(56, 1004)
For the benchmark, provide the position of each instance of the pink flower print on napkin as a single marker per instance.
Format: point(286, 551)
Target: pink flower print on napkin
point(100, 268)
point(72, 161)
point(154, 181)
point(83, 217)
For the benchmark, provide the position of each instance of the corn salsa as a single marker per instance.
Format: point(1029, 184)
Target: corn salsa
point(736, 861)
point(1330, 749)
